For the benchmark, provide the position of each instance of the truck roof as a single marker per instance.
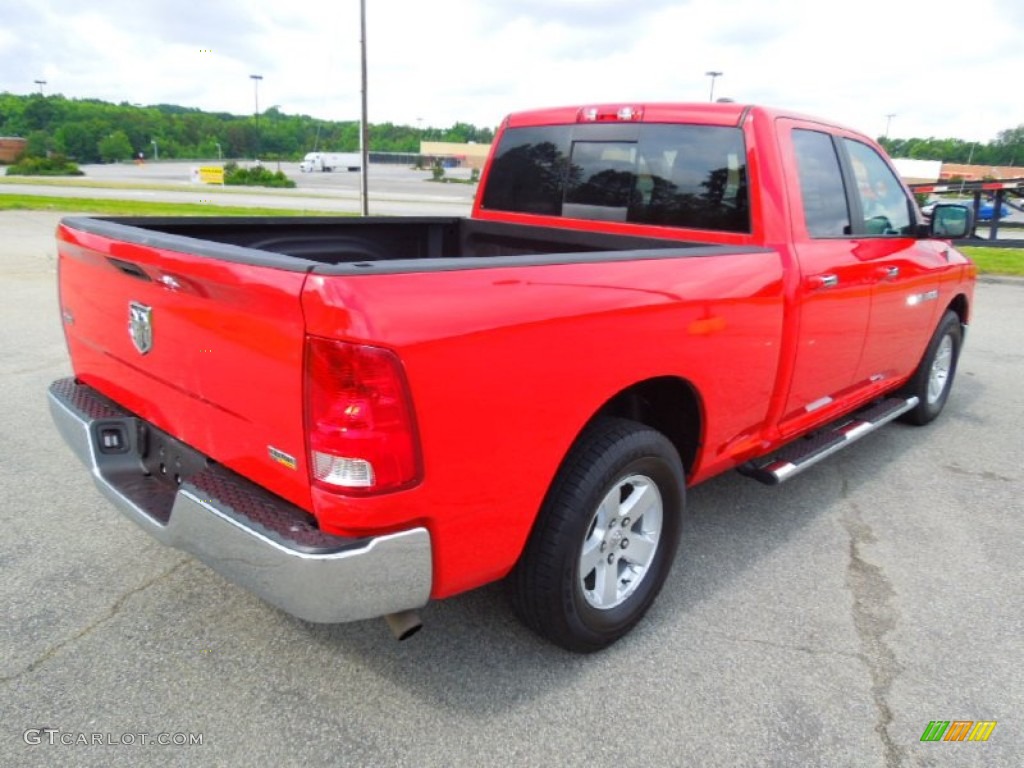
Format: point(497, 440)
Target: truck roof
point(723, 113)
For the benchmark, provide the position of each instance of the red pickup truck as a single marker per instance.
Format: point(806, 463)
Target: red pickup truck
point(352, 417)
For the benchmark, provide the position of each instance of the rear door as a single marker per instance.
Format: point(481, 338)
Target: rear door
point(207, 349)
point(834, 285)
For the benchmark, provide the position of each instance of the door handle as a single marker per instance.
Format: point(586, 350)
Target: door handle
point(890, 273)
point(822, 281)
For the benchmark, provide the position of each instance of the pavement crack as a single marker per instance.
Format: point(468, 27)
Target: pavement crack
point(874, 616)
point(958, 470)
point(113, 611)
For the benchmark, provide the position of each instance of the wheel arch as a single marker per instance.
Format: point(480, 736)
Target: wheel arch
point(960, 305)
point(668, 404)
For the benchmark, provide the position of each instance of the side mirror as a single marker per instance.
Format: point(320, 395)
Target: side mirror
point(951, 222)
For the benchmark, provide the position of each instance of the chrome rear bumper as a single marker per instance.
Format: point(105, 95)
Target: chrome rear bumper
point(248, 535)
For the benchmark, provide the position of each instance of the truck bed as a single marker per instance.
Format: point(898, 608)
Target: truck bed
point(339, 245)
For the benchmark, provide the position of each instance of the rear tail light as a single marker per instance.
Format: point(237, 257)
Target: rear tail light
point(359, 419)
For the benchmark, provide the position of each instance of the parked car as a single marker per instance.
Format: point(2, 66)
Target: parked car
point(988, 208)
point(985, 210)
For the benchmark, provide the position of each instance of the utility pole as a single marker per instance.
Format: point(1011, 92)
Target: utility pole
point(713, 74)
point(40, 83)
point(256, 96)
point(888, 121)
point(364, 135)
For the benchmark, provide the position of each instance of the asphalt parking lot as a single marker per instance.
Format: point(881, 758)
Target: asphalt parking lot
point(393, 189)
point(822, 623)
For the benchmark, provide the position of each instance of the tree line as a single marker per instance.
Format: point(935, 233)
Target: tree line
point(1007, 149)
point(93, 131)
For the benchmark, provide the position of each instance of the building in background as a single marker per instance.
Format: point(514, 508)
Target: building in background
point(464, 155)
point(11, 148)
point(923, 171)
point(980, 172)
point(917, 171)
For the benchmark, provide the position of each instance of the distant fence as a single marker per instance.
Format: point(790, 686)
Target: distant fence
point(985, 243)
point(415, 158)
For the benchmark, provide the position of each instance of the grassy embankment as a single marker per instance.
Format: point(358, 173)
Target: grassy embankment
point(997, 261)
point(142, 208)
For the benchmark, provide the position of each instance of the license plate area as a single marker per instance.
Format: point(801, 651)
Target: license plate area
point(129, 446)
point(168, 459)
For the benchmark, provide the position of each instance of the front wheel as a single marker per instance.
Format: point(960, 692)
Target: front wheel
point(933, 378)
point(605, 537)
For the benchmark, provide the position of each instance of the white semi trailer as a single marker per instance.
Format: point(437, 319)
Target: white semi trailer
point(330, 161)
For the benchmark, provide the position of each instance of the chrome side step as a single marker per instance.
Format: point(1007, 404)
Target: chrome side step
point(805, 452)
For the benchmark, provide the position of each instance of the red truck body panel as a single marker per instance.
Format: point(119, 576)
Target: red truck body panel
point(226, 377)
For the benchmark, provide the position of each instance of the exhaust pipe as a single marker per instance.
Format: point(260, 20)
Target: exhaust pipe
point(404, 624)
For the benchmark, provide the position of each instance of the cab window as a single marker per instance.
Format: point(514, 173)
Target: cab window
point(885, 208)
point(692, 176)
point(826, 212)
point(528, 172)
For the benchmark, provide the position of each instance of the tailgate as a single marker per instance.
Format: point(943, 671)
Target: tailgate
point(208, 349)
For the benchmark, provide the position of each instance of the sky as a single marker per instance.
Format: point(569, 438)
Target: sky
point(944, 68)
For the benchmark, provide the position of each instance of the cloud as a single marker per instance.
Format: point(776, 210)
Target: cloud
point(601, 15)
point(474, 61)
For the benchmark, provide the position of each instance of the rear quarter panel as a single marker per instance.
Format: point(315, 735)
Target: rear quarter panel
point(507, 365)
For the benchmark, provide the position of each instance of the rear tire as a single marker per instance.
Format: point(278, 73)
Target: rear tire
point(933, 378)
point(605, 538)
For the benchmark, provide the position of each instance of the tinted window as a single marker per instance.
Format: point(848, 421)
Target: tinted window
point(671, 175)
point(601, 179)
point(821, 185)
point(528, 172)
point(884, 205)
point(692, 176)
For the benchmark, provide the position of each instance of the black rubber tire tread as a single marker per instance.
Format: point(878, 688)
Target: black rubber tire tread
point(926, 412)
point(544, 584)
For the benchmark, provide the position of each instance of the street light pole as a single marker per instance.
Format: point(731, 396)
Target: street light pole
point(256, 101)
point(712, 74)
point(963, 178)
point(888, 121)
point(40, 83)
point(364, 135)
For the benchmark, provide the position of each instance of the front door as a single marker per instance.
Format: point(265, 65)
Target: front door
point(905, 270)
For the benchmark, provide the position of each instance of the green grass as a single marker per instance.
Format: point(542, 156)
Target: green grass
point(997, 261)
point(143, 208)
point(85, 181)
point(155, 186)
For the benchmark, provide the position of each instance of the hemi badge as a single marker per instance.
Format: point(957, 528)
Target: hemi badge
point(920, 298)
point(282, 458)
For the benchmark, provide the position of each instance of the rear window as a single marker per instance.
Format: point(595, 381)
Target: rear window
point(691, 176)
